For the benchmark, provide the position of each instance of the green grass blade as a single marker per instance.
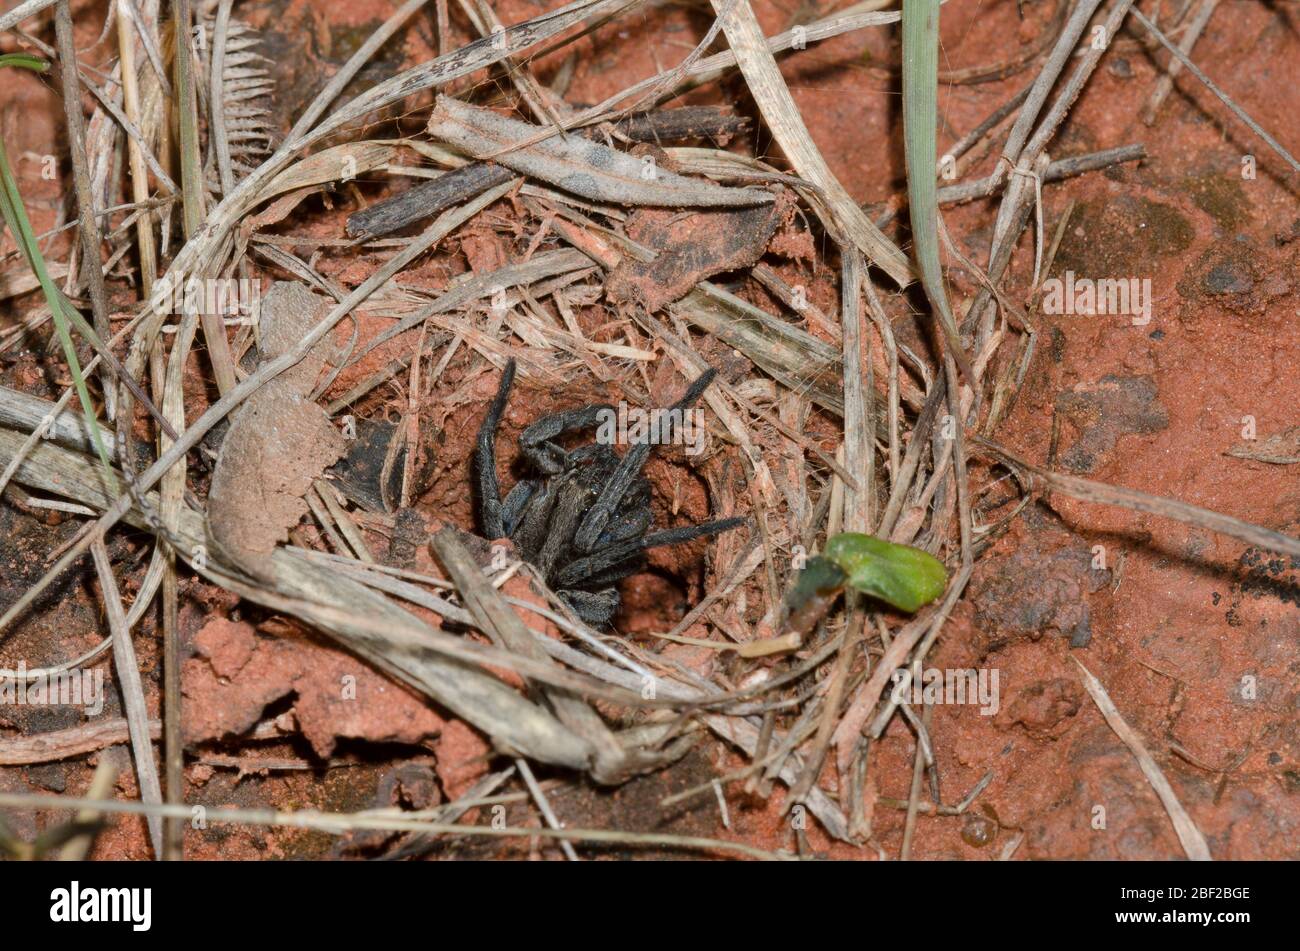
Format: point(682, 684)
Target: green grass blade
point(15, 216)
point(25, 61)
point(920, 118)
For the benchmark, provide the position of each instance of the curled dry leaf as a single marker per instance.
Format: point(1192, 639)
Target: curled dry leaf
point(279, 441)
point(576, 164)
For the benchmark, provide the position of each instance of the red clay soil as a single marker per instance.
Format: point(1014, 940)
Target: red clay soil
point(1195, 636)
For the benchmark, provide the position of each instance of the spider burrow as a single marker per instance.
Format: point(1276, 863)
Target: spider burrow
point(582, 520)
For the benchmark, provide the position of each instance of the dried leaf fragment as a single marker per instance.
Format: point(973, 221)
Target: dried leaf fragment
point(279, 441)
point(691, 248)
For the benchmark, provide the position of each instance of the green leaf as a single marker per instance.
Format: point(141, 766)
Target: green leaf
point(905, 577)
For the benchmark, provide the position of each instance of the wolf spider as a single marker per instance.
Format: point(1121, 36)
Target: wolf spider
point(582, 521)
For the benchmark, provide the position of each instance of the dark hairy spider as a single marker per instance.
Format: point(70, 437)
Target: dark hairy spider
point(582, 521)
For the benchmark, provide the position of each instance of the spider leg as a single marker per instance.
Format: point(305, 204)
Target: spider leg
point(616, 572)
point(575, 572)
point(530, 531)
point(598, 516)
point(485, 459)
point(629, 468)
point(594, 607)
point(626, 526)
point(597, 454)
point(686, 533)
point(512, 509)
point(595, 563)
point(633, 518)
point(535, 441)
point(565, 516)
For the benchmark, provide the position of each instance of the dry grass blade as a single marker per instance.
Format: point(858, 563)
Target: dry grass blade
point(337, 823)
point(22, 12)
point(1190, 836)
point(1070, 92)
point(1165, 84)
point(1196, 71)
point(544, 806)
point(540, 266)
point(163, 561)
point(372, 99)
point(148, 41)
point(193, 211)
point(220, 142)
point(460, 62)
point(1057, 170)
point(1280, 449)
point(859, 398)
point(128, 679)
point(868, 695)
point(782, 116)
point(1047, 77)
point(135, 149)
point(713, 67)
point(89, 223)
point(101, 787)
point(508, 631)
point(329, 165)
point(1090, 491)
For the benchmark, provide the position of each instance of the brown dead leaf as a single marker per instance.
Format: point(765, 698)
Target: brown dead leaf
point(692, 247)
point(278, 443)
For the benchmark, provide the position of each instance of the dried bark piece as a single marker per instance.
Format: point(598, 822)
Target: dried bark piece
point(427, 199)
point(576, 164)
point(692, 248)
point(684, 122)
point(279, 441)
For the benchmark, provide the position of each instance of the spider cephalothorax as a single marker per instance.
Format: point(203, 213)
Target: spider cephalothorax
point(582, 521)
